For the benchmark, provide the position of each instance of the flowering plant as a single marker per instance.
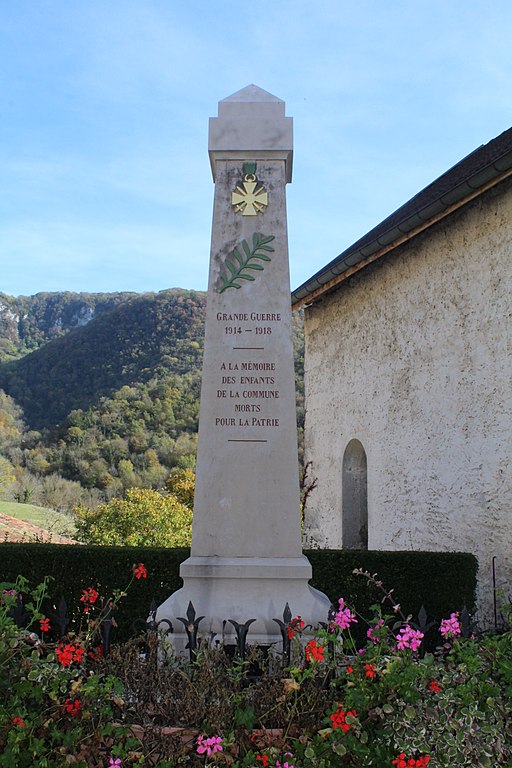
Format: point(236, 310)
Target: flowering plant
point(54, 701)
point(388, 704)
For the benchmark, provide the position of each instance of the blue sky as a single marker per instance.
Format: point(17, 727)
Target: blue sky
point(106, 184)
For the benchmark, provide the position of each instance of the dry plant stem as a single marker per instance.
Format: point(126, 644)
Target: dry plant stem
point(306, 487)
point(388, 595)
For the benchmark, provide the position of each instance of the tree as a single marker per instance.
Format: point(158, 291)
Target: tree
point(181, 483)
point(142, 518)
point(11, 423)
point(7, 476)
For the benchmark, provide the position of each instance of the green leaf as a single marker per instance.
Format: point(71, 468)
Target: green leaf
point(245, 717)
point(410, 712)
point(238, 256)
point(237, 273)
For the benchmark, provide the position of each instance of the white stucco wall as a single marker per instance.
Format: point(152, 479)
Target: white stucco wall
point(412, 357)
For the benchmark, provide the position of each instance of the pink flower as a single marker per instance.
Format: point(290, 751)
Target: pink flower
point(409, 638)
point(371, 630)
point(209, 745)
point(450, 627)
point(114, 763)
point(344, 616)
point(9, 593)
point(286, 764)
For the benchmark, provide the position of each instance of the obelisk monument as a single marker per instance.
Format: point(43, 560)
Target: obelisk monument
point(246, 560)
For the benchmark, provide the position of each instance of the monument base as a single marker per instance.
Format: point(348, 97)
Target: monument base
point(243, 588)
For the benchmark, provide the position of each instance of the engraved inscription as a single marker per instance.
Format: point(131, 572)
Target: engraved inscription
point(248, 388)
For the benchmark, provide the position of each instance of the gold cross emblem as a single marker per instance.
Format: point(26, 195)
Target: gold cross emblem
point(249, 198)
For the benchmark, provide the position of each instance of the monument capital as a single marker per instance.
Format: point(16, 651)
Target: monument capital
point(251, 125)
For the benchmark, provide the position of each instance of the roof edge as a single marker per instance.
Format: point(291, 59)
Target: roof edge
point(357, 257)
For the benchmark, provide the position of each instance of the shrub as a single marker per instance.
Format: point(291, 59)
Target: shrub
point(143, 518)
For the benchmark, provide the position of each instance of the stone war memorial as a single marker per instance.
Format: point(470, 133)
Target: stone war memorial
point(246, 559)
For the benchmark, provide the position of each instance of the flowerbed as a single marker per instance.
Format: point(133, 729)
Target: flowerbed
point(386, 704)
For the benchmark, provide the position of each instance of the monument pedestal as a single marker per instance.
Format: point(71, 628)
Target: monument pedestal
point(243, 588)
point(246, 560)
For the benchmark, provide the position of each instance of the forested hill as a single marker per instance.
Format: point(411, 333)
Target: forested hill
point(134, 340)
point(28, 322)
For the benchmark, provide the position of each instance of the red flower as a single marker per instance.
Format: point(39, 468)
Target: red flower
point(72, 707)
point(67, 653)
point(95, 654)
point(64, 654)
point(78, 654)
point(294, 626)
point(338, 719)
point(18, 721)
point(314, 651)
point(434, 686)
point(370, 670)
point(402, 761)
point(263, 759)
point(44, 625)
point(350, 670)
point(139, 571)
point(89, 597)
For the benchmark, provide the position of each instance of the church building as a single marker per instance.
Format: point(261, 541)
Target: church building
point(408, 377)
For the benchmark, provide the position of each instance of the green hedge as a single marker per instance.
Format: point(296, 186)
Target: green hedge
point(73, 568)
point(442, 581)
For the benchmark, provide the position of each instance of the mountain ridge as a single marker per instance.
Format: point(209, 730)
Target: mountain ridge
point(28, 322)
point(116, 347)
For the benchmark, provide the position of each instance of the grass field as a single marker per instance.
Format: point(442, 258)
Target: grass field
point(45, 518)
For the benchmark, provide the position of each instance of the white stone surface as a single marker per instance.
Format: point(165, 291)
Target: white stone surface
point(412, 357)
point(246, 559)
point(251, 126)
